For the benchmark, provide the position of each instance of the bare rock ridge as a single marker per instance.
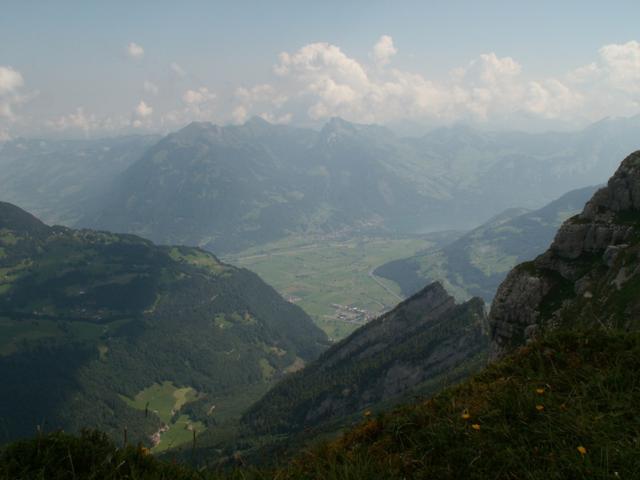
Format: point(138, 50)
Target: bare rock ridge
point(586, 275)
point(427, 341)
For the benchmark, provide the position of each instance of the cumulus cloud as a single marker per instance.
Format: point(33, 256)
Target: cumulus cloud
point(10, 80)
point(11, 96)
point(383, 50)
point(199, 105)
point(490, 87)
point(78, 120)
point(135, 51)
point(620, 65)
point(10, 83)
point(239, 114)
point(199, 96)
point(551, 98)
point(263, 100)
point(320, 80)
point(143, 110)
point(142, 115)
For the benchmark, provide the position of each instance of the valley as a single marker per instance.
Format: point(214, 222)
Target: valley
point(319, 240)
point(331, 277)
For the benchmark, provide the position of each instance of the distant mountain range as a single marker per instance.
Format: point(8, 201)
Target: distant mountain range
point(227, 188)
point(110, 331)
point(476, 263)
point(61, 180)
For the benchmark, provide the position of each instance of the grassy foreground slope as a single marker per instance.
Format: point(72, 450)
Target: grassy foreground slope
point(562, 407)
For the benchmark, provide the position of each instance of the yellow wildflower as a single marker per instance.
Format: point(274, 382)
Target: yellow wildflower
point(367, 413)
point(539, 391)
point(475, 426)
point(540, 408)
point(465, 414)
point(582, 450)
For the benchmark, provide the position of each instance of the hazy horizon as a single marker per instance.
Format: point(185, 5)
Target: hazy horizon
point(91, 70)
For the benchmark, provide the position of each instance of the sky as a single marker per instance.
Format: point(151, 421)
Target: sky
point(89, 68)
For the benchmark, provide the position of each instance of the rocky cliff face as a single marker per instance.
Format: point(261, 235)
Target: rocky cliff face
point(425, 342)
point(589, 274)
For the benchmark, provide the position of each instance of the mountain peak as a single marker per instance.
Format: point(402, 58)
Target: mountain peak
point(622, 192)
point(196, 130)
point(593, 256)
point(257, 121)
point(338, 128)
point(16, 219)
point(197, 126)
point(434, 294)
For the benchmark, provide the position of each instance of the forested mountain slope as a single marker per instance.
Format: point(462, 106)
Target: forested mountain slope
point(111, 331)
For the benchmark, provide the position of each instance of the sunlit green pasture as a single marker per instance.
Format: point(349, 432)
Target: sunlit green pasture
point(316, 273)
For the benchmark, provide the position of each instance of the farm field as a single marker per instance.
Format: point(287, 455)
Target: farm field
point(332, 278)
point(166, 400)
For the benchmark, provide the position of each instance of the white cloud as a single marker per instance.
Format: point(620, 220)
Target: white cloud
point(621, 66)
point(258, 99)
point(150, 87)
point(333, 84)
point(177, 69)
point(490, 88)
point(199, 105)
point(10, 83)
point(10, 80)
point(143, 110)
point(551, 98)
point(239, 114)
point(11, 97)
point(77, 120)
point(384, 50)
point(199, 96)
point(135, 51)
point(320, 80)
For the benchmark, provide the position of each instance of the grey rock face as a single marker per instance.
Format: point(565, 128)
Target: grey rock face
point(597, 236)
point(514, 309)
point(427, 341)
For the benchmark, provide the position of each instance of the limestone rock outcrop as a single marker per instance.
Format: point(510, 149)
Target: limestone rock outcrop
point(587, 273)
